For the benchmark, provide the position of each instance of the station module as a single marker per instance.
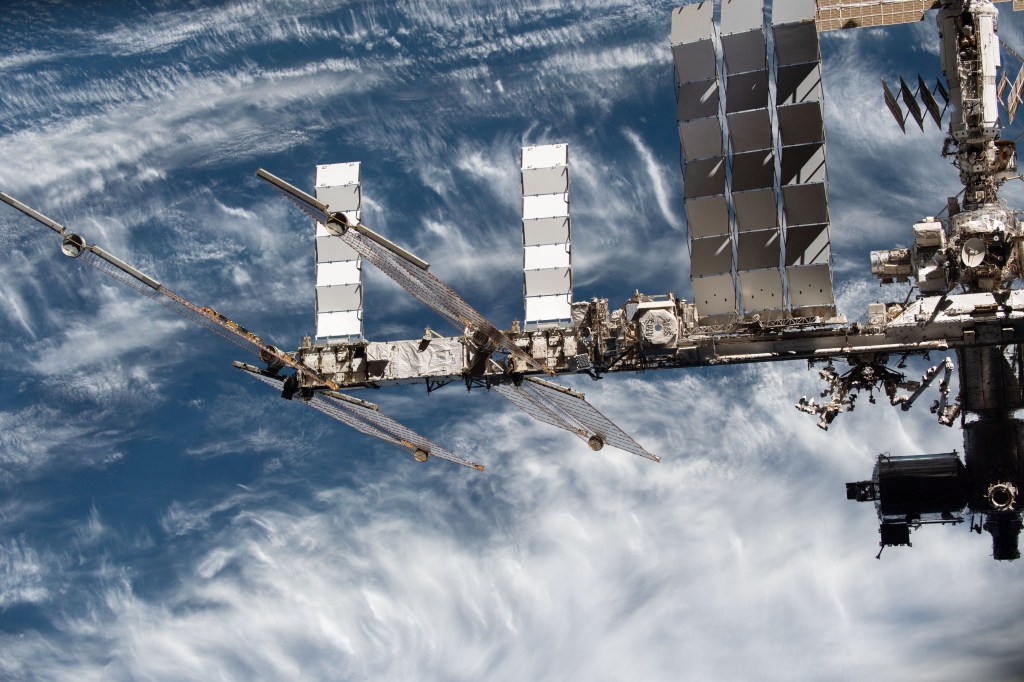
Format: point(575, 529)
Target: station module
point(755, 186)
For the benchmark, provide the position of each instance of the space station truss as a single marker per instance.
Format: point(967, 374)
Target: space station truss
point(547, 236)
point(339, 288)
point(754, 175)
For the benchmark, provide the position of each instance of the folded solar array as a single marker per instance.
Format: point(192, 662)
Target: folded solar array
point(749, 105)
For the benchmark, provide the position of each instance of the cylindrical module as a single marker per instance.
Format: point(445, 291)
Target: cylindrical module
point(916, 486)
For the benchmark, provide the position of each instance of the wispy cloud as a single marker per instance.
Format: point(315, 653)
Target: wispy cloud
point(408, 576)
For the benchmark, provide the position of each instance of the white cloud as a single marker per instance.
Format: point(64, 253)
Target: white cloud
point(23, 575)
point(740, 541)
point(658, 183)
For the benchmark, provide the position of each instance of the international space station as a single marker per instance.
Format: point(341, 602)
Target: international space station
point(751, 126)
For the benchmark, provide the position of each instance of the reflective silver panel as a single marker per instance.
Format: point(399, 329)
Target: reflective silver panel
point(710, 256)
point(545, 156)
point(337, 174)
point(692, 23)
point(805, 204)
point(331, 248)
point(545, 180)
point(545, 231)
point(755, 210)
point(707, 216)
point(337, 185)
point(761, 290)
point(799, 83)
point(753, 170)
point(697, 100)
point(548, 282)
point(745, 51)
point(739, 16)
point(546, 256)
point(750, 130)
point(339, 292)
point(807, 245)
point(759, 249)
point(338, 324)
point(701, 138)
point(694, 61)
point(542, 309)
point(746, 91)
point(810, 286)
point(345, 198)
point(803, 163)
point(692, 48)
point(791, 11)
point(801, 123)
point(337, 298)
point(796, 44)
point(340, 272)
point(545, 206)
point(704, 178)
point(714, 295)
point(547, 235)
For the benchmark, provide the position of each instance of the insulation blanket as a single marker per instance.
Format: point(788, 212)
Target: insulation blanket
point(405, 359)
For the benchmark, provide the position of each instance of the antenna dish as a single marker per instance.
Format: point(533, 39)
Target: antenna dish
point(973, 252)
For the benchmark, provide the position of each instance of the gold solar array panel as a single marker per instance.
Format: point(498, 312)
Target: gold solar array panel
point(837, 14)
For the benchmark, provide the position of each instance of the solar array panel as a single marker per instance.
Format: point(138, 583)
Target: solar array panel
point(339, 289)
point(404, 269)
point(803, 179)
point(366, 418)
point(699, 110)
point(1014, 99)
point(839, 14)
point(547, 236)
point(751, 160)
point(570, 411)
